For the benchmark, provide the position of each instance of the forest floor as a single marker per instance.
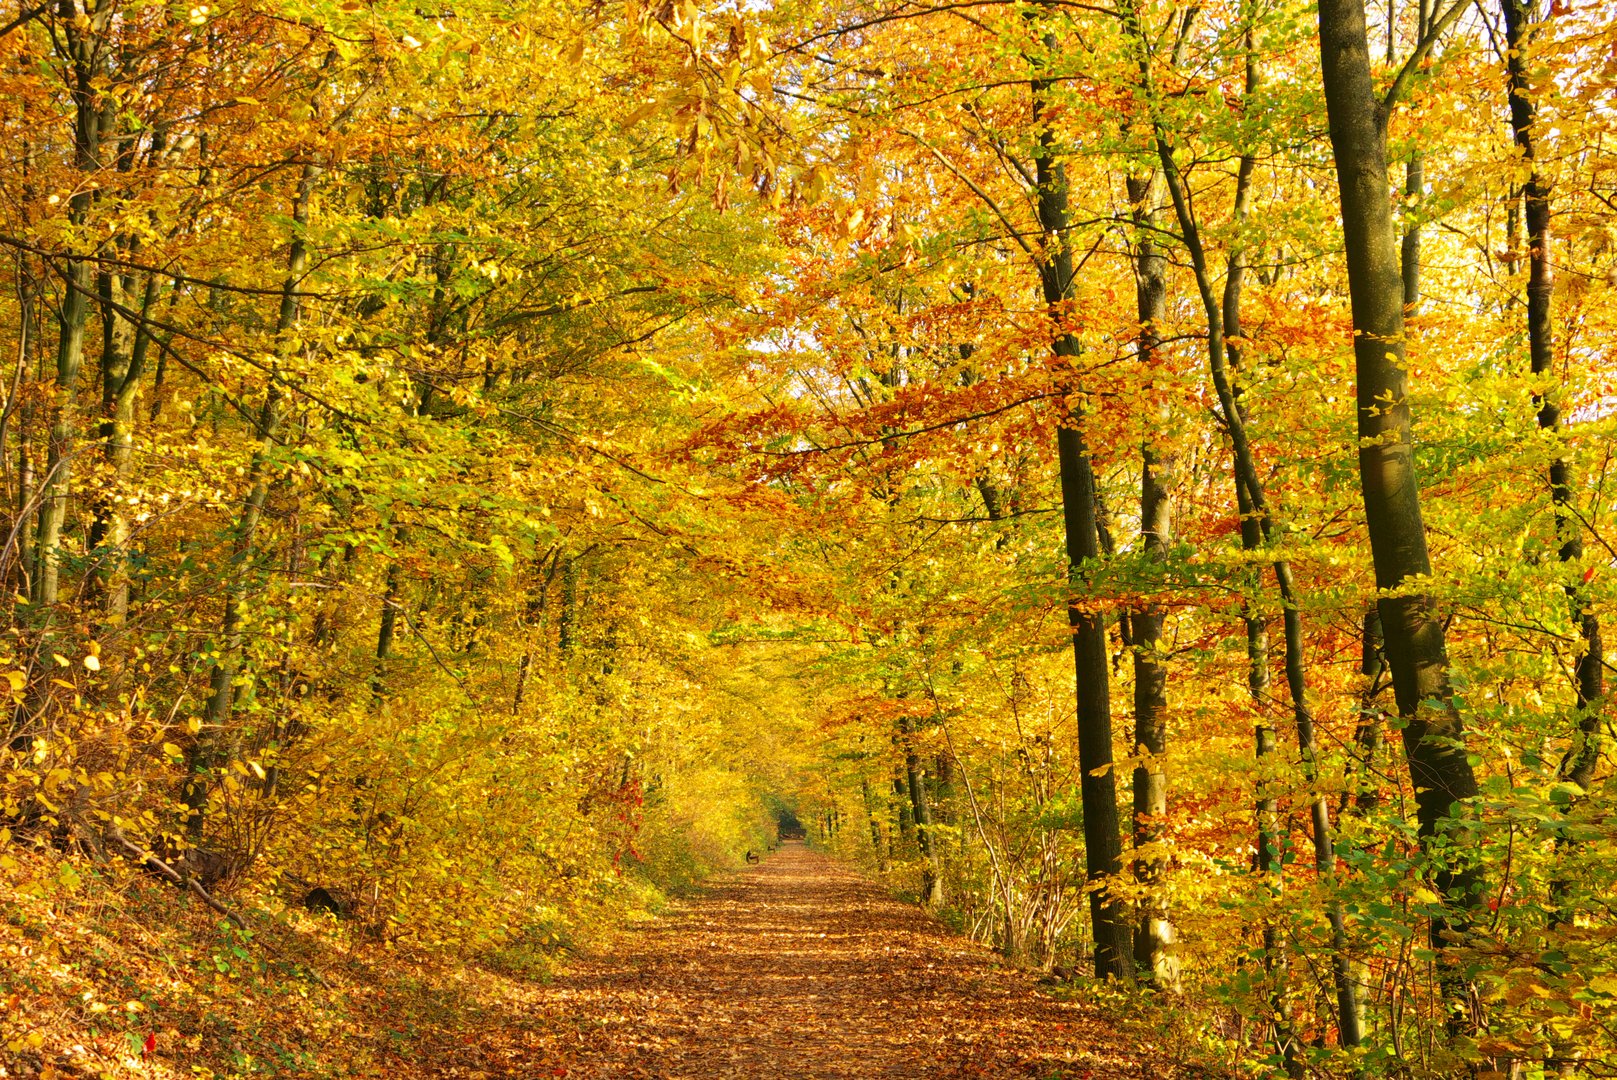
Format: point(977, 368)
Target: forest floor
point(795, 969)
point(803, 969)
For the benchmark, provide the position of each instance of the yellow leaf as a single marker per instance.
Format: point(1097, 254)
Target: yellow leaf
point(640, 114)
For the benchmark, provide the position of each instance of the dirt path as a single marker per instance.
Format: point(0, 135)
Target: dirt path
point(802, 970)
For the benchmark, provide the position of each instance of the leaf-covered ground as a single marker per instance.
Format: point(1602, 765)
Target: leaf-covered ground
point(797, 968)
point(803, 969)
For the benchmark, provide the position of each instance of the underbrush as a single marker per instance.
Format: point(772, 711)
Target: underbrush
point(105, 972)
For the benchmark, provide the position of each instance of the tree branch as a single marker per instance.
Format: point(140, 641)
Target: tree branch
point(976, 190)
point(1400, 82)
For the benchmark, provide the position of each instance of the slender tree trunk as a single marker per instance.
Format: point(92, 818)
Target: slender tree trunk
point(385, 631)
point(1414, 181)
point(77, 287)
point(1367, 737)
point(1409, 247)
point(1417, 656)
point(877, 847)
point(1583, 756)
point(943, 793)
point(127, 343)
point(78, 282)
point(1521, 21)
point(19, 407)
point(567, 621)
point(1154, 939)
point(535, 620)
point(1224, 354)
point(1103, 846)
point(206, 750)
point(27, 356)
point(931, 873)
point(1269, 859)
point(19, 726)
point(905, 820)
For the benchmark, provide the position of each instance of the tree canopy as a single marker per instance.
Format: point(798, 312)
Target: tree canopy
point(1132, 476)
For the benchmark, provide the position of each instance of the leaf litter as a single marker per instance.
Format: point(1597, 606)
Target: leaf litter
point(803, 969)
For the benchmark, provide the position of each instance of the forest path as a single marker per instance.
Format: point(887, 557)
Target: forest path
point(802, 969)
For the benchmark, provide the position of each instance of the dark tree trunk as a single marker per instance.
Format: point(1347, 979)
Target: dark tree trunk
point(905, 820)
point(27, 358)
point(1416, 652)
point(386, 628)
point(1367, 737)
point(931, 876)
point(1153, 941)
point(877, 847)
point(567, 620)
point(1521, 20)
point(126, 344)
point(1103, 845)
point(534, 619)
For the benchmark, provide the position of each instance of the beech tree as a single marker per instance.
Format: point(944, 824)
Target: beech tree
point(471, 475)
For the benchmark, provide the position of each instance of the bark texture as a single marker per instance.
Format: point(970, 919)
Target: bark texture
point(1415, 647)
point(1103, 845)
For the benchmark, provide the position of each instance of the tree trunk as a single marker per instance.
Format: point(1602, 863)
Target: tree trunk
point(1416, 651)
point(78, 283)
point(877, 848)
point(567, 620)
point(385, 631)
point(127, 341)
point(535, 619)
point(931, 875)
point(77, 287)
point(1154, 939)
point(943, 789)
point(1103, 846)
point(205, 752)
point(1521, 20)
point(1224, 358)
point(1367, 737)
point(27, 354)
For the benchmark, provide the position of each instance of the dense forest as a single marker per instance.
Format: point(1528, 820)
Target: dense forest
point(1134, 477)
